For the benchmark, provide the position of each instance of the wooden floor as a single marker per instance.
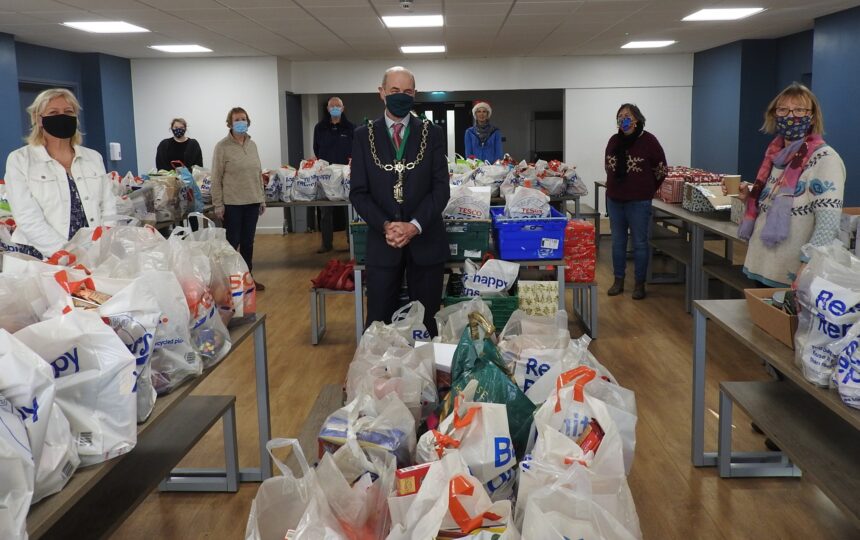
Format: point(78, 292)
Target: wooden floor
point(646, 344)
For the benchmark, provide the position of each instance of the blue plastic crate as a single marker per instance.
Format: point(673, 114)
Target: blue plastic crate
point(529, 239)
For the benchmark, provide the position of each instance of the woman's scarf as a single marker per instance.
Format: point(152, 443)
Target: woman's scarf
point(621, 149)
point(792, 157)
point(484, 131)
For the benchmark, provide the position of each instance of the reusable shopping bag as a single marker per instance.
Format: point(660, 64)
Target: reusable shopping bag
point(94, 377)
point(480, 432)
point(287, 176)
point(334, 181)
point(527, 203)
point(17, 472)
point(828, 291)
point(281, 501)
point(467, 203)
point(449, 499)
point(306, 186)
point(479, 359)
point(27, 382)
point(567, 509)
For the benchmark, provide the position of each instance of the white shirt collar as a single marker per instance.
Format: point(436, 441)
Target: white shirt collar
point(389, 123)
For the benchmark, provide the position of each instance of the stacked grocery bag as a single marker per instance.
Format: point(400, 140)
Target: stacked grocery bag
point(580, 251)
point(520, 435)
point(91, 337)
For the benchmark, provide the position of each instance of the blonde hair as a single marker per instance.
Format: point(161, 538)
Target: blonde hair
point(37, 134)
point(797, 91)
point(179, 120)
point(236, 110)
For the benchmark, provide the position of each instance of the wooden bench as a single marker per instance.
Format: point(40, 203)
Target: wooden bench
point(731, 275)
point(680, 250)
point(99, 498)
point(318, 324)
point(822, 444)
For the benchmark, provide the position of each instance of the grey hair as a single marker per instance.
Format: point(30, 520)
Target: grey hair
point(334, 97)
point(396, 69)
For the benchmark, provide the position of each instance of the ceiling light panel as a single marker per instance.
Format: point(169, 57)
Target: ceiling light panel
point(646, 44)
point(722, 14)
point(105, 27)
point(180, 48)
point(413, 21)
point(422, 49)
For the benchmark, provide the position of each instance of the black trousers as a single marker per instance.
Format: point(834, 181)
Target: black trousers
point(240, 220)
point(423, 283)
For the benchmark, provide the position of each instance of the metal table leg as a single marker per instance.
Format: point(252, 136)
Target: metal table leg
point(261, 371)
point(698, 429)
point(697, 247)
point(559, 269)
point(359, 305)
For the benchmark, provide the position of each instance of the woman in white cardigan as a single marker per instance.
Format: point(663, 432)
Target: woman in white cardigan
point(798, 192)
point(55, 186)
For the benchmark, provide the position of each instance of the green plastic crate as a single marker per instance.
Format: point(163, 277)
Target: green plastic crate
point(465, 238)
point(468, 238)
point(359, 241)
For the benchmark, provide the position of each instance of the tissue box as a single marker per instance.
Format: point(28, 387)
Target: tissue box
point(738, 209)
point(705, 198)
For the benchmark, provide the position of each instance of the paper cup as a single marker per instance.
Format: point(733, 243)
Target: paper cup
point(732, 183)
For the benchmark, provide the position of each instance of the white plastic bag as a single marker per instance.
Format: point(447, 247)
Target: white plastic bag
point(568, 509)
point(406, 372)
point(449, 499)
point(27, 382)
point(574, 184)
point(846, 375)
point(306, 186)
point(17, 472)
point(828, 290)
point(287, 176)
point(273, 186)
point(480, 432)
point(21, 301)
point(526, 203)
point(468, 203)
point(94, 376)
point(281, 501)
point(494, 277)
point(409, 322)
point(384, 424)
point(491, 176)
point(331, 180)
point(452, 320)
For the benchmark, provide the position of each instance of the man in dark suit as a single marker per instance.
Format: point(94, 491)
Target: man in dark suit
point(399, 185)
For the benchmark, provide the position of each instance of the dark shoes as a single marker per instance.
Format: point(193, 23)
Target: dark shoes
point(639, 290)
point(617, 287)
point(259, 286)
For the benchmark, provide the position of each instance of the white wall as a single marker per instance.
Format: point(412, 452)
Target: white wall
point(500, 73)
point(589, 116)
point(202, 91)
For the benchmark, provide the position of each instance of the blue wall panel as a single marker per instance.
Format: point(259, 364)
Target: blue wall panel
point(758, 77)
point(716, 102)
point(794, 59)
point(10, 136)
point(836, 76)
point(118, 109)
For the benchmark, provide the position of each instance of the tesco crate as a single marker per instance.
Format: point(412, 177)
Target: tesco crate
point(468, 238)
point(528, 239)
point(359, 241)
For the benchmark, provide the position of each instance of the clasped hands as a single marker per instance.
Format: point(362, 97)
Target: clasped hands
point(399, 233)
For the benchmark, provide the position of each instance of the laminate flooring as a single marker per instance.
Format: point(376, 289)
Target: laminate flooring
point(646, 344)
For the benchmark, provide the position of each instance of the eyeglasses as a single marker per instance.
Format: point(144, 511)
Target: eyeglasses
point(797, 111)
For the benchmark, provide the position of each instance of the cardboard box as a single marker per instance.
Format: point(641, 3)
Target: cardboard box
point(850, 218)
point(775, 322)
point(705, 198)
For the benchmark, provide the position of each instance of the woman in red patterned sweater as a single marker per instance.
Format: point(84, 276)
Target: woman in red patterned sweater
point(635, 168)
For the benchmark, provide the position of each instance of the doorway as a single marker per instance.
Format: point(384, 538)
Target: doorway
point(453, 117)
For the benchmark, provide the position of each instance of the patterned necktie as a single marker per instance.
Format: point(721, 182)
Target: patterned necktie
point(398, 127)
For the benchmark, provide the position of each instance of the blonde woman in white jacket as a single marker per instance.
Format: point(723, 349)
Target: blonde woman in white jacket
point(55, 186)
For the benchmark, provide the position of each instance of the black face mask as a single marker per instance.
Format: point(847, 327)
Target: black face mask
point(178, 132)
point(61, 126)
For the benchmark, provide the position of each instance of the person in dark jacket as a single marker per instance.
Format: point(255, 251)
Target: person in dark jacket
point(484, 140)
point(178, 148)
point(635, 167)
point(333, 143)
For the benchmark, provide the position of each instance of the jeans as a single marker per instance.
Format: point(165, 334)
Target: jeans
point(240, 220)
point(636, 216)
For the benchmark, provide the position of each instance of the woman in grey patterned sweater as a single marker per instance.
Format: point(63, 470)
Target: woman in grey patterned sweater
point(797, 195)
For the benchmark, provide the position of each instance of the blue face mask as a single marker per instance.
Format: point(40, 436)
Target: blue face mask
point(399, 104)
point(240, 127)
point(625, 123)
point(793, 128)
point(335, 112)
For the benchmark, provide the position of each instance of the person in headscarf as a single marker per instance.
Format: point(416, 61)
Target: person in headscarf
point(484, 140)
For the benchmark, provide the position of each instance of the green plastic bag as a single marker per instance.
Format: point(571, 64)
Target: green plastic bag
point(480, 359)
